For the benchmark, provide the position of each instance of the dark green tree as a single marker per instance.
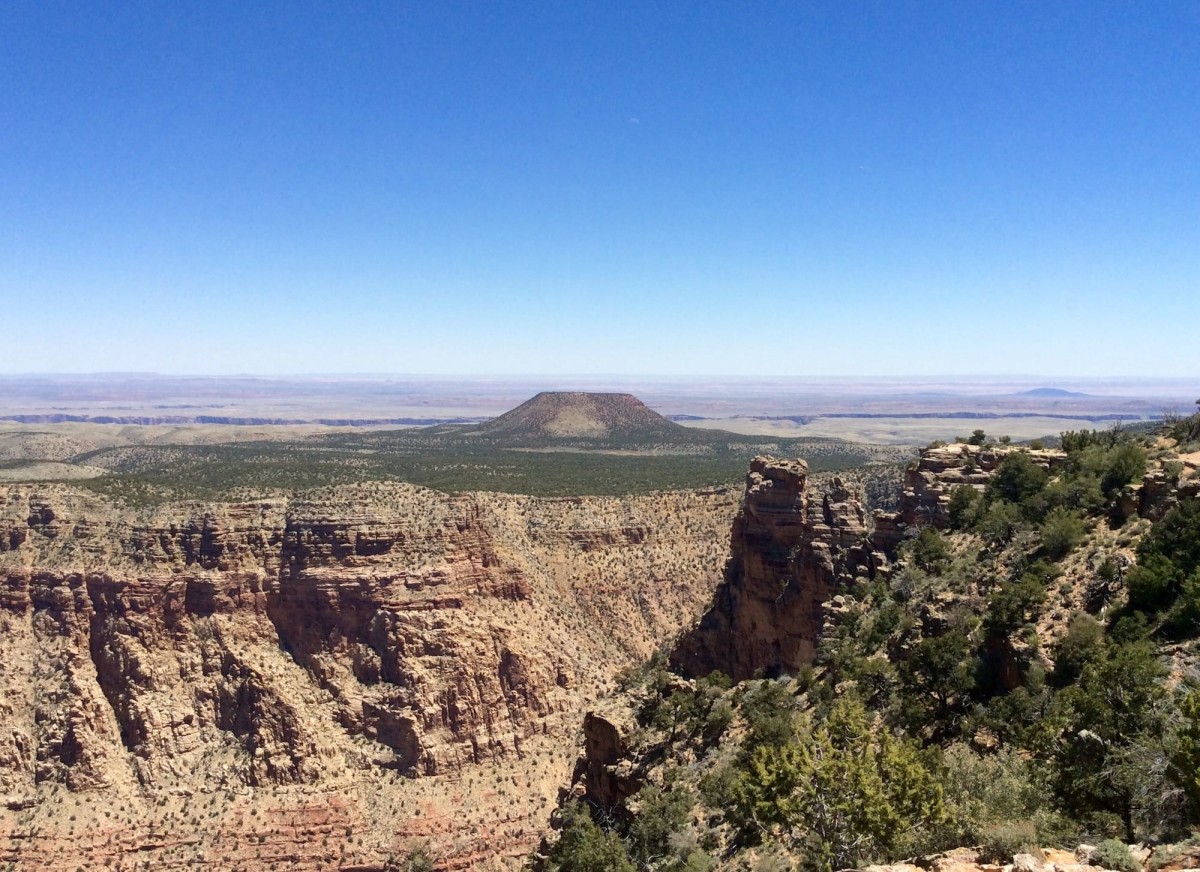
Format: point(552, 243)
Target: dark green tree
point(585, 847)
point(936, 680)
point(1017, 478)
point(964, 505)
point(1114, 729)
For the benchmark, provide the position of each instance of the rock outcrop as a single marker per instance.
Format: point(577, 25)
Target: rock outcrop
point(791, 549)
point(930, 480)
point(232, 684)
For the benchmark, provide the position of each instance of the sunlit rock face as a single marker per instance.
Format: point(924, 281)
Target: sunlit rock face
point(792, 547)
point(284, 670)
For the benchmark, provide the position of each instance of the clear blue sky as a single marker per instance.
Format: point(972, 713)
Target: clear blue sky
point(647, 187)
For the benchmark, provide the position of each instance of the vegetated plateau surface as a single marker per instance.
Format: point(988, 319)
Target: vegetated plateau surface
point(553, 445)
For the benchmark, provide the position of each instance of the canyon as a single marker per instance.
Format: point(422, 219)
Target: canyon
point(345, 677)
point(319, 682)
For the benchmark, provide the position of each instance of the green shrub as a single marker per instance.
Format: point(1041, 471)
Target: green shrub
point(1017, 478)
point(936, 680)
point(1000, 842)
point(1074, 441)
point(1168, 559)
point(1185, 758)
point(964, 506)
point(769, 710)
point(841, 795)
point(661, 814)
point(999, 522)
point(1081, 646)
point(929, 550)
point(1080, 492)
point(1001, 798)
point(1061, 532)
point(1123, 464)
point(1111, 854)
point(1015, 604)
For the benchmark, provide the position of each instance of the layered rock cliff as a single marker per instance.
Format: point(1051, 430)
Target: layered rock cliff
point(318, 681)
point(792, 546)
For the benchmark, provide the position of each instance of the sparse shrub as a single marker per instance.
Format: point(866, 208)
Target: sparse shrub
point(1001, 841)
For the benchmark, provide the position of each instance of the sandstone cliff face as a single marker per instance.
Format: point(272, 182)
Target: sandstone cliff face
point(791, 548)
point(241, 665)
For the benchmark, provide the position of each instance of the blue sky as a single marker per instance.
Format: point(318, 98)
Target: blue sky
point(744, 188)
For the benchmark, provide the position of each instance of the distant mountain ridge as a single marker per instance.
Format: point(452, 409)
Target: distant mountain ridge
point(1051, 392)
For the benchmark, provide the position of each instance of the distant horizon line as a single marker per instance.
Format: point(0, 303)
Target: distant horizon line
point(446, 376)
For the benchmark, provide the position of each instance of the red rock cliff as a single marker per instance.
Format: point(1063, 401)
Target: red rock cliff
point(196, 674)
point(791, 549)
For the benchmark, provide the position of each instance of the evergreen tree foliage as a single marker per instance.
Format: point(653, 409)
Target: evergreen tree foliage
point(841, 795)
point(585, 847)
point(1016, 478)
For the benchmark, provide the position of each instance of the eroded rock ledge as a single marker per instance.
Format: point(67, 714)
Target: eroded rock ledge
point(791, 548)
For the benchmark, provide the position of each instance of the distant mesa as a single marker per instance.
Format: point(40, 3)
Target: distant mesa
point(581, 415)
point(1051, 392)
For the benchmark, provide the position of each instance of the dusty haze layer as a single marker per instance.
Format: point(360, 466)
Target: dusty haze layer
point(917, 408)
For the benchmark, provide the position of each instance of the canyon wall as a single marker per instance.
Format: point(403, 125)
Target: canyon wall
point(319, 682)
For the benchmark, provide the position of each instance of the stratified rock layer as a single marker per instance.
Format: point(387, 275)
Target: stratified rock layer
point(247, 684)
point(791, 548)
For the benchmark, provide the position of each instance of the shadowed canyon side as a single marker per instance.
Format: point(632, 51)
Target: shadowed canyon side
point(258, 683)
point(791, 550)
